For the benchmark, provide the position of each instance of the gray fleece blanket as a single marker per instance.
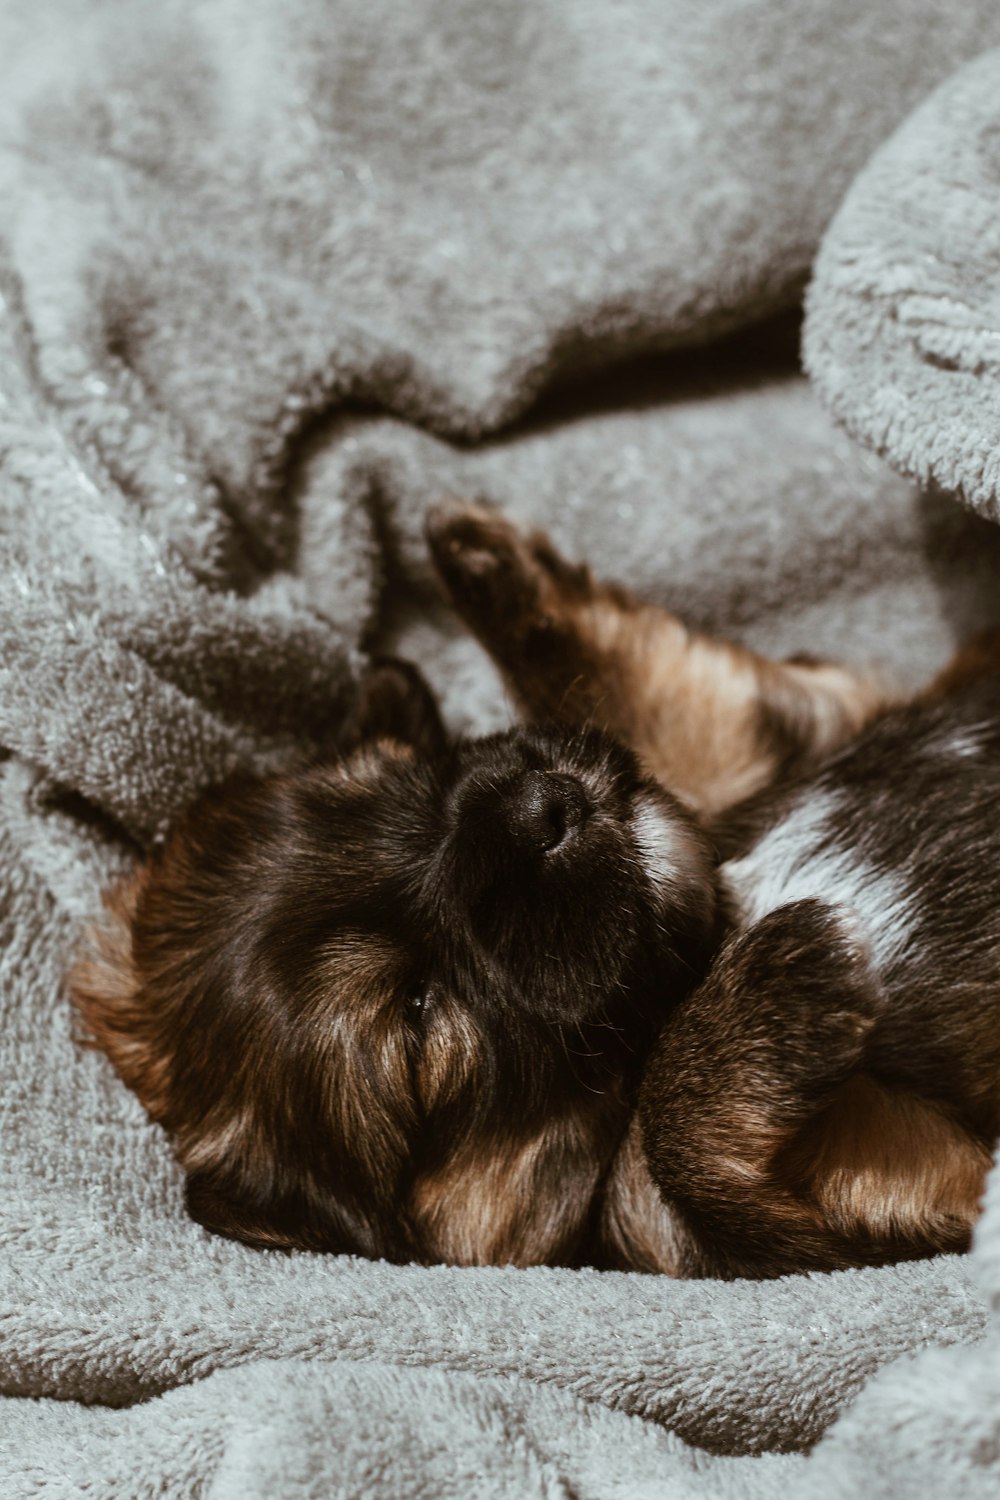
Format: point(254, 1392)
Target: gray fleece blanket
point(274, 277)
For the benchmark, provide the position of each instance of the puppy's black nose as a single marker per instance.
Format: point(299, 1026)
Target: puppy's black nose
point(545, 808)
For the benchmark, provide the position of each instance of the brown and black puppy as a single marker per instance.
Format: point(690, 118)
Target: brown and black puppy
point(398, 1003)
point(394, 1004)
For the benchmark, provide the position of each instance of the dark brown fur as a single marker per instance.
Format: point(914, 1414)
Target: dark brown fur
point(253, 982)
point(775, 1150)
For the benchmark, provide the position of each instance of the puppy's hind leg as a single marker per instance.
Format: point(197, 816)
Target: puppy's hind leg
point(765, 1133)
point(528, 607)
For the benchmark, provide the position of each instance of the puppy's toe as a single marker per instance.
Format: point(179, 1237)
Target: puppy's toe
point(455, 524)
point(574, 581)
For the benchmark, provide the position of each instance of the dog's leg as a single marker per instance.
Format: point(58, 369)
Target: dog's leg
point(767, 1137)
point(712, 720)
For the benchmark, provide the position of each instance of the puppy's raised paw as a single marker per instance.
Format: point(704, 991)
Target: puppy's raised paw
point(486, 569)
point(511, 590)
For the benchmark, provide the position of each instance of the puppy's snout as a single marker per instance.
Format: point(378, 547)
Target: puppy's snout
point(545, 809)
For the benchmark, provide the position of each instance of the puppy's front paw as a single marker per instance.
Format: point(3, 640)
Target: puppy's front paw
point(484, 564)
point(514, 591)
point(805, 972)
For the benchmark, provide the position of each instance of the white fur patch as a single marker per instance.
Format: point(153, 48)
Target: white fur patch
point(962, 743)
point(671, 856)
point(793, 862)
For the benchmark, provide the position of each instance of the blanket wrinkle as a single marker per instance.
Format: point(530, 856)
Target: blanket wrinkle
point(273, 279)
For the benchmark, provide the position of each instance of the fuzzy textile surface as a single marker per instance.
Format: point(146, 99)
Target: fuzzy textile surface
point(275, 277)
point(903, 336)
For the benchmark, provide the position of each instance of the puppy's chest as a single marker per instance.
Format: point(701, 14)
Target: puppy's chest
point(807, 856)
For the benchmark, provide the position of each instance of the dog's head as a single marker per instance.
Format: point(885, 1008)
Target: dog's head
point(394, 1004)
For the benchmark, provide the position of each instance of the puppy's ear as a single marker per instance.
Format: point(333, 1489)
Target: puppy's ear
point(395, 702)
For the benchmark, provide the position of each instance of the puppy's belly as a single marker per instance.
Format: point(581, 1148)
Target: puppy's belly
point(798, 859)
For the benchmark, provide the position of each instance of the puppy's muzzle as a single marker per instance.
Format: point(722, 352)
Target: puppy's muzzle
point(545, 810)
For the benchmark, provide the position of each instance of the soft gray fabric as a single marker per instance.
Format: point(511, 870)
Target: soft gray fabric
point(250, 209)
point(903, 332)
point(295, 1429)
point(215, 221)
point(928, 1425)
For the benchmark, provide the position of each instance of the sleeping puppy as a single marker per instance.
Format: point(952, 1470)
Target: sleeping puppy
point(398, 1004)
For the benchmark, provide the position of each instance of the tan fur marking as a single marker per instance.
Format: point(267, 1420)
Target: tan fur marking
point(691, 705)
point(448, 1058)
point(520, 1203)
point(361, 1048)
point(364, 768)
point(105, 988)
point(888, 1164)
point(220, 1136)
point(834, 702)
point(638, 1231)
point(353, 963)
point(696, 723)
